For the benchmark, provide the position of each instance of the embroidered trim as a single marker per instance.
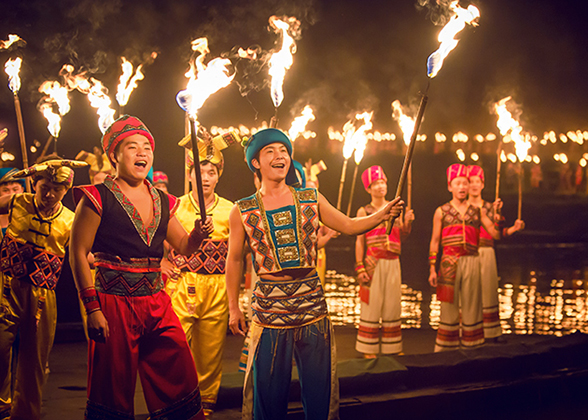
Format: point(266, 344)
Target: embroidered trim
point(146, 233)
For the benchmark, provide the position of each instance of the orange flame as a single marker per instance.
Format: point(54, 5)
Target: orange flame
point(405, 122)
point(446, 37)
point(510, 129)
point(204, 80)
point(282, 60)
point(56, 95)
point(356, 139)
point(12, 68)
point(299, 123)
point(96, 91)
point(128, 81)
point(4, 45)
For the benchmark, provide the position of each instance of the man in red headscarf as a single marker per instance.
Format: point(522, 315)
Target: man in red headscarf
point(489, 272)
point(456, 227)
point(132, 326)
point(378, 270)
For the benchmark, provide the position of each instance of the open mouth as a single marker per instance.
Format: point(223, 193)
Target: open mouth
point(141, 163)
point(279, 165)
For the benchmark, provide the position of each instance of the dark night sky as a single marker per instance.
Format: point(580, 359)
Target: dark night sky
point(353, 55)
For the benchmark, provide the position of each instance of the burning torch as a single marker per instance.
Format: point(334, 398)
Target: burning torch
point(282, 60)
point(12, 68)
point(460, 17)
point(56, 95)
point(128, 81)
point(203, 81)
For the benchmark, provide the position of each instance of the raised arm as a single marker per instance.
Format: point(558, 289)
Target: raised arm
point(434, 246)
point(338, 221)
point(234, 271)
point(83, 231)
point(489, 224)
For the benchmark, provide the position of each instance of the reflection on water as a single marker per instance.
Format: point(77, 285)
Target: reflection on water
point(342, 297)
point(556, 308)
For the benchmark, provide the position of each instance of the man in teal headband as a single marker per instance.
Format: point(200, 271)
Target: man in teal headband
point(290, 318)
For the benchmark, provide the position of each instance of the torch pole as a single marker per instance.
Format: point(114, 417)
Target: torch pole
point(23, 144)
point(186, 152)
point(409, 188)
point(274, 119)
point(408, 157)
point(341, 183)
point(46, 147)
point(352, 190)
point(520, 190)
point(498, 165)
point(199, 190)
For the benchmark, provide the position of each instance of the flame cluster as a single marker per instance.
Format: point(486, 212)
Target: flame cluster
point(298, 126)
point(511, 130)
point(56, 97)
point(405, 122)
point(281, 61)
point(355, 137)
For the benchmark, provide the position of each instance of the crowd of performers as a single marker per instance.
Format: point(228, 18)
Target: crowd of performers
point(159, 287)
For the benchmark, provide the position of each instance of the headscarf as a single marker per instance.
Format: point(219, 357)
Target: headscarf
point(122, 128)
point(372, 174)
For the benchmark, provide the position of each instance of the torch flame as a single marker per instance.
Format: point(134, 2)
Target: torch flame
point(96, 91)
point(204, 80)
point(446, 37)
point(405, 122)
point(299, 123)
point(356, 139)
point(12, 68)
point(56, 94)
point(282, 60)
point(4, 45)
point(128, 81)
point(510, 129)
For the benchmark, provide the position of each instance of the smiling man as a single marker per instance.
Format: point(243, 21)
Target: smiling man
point(132, 326)
point(290, 316)
point(32, 256)
point(196, 284)
point(456, 227)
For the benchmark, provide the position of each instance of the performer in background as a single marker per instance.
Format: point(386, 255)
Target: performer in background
point(290, 316)
point(8, 187)
point(32, 255)
point(378, 272)
point(489, 271)
point(196, 284)
point(131, 323)
point(160, 181)
point(456, 227)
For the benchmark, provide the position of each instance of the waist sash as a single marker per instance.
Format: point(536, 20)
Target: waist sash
point(128, 277)
point(210, 258)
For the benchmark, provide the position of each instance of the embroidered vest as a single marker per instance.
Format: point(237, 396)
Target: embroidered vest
point(127, 253)
point(282, 238)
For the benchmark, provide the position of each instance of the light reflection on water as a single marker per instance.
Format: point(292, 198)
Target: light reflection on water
point(559, 309)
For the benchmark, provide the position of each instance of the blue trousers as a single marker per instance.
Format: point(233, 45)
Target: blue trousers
point(312, 347)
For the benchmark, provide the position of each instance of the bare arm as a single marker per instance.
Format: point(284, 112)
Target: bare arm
point(184, 243)
point(234, 271)
point(434, 245)
point(338, 221)
point(83, 232)
point(489, 224)
point(362, 276)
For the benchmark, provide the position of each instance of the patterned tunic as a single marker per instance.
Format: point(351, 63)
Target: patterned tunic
point(34, 247)
point(280, 239)
point(459, 237)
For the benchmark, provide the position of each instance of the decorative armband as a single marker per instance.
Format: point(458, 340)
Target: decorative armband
point(505, 233)
point(432, 258)
point(90, 300)
point(360, 268)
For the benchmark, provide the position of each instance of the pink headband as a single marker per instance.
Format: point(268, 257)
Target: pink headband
point(456, 170)
point(372, 174)
point(475, 170)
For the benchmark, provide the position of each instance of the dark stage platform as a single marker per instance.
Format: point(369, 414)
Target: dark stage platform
point(527, 377)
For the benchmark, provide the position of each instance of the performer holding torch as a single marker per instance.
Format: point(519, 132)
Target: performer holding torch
point(489, 272)
point(196, 284)
point(378, 270)
point(132, 326)
point(290, 316)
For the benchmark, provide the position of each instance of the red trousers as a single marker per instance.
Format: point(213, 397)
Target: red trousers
point(145, 337)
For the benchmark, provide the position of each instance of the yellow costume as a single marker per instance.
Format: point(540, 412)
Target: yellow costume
point(32, 256)
point(199, 295)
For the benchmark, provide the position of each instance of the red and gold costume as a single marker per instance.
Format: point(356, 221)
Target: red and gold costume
point(458, 283)
point(199, 294)
point(380, 326)
point(32, 256)
point(145, 333)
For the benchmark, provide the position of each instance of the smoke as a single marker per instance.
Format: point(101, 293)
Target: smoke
point(437, 10)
